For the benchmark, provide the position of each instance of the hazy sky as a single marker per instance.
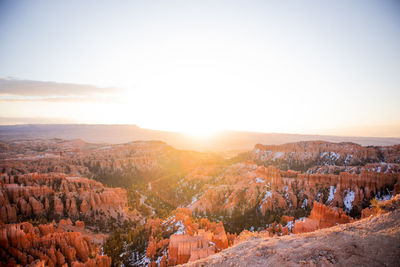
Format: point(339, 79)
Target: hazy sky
point(198, 66)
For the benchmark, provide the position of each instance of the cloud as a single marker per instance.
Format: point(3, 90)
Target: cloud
point(34, 120)
point(95, 98)
point(28, 88)
point(15, 90)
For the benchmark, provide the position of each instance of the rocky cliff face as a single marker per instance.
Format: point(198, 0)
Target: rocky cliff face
point(56, 196)
point(145, 159)
point(246, 185)
point(321, 217)
point(305, 155)
point(184, 248)
point(47, 245)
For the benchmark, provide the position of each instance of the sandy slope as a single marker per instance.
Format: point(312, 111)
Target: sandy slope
point(374, 241)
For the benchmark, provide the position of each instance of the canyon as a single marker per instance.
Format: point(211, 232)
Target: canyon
point(147, 203)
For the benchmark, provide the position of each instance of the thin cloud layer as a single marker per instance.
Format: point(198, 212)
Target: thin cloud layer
point(34, 120)
point(26, 88)
point(15, 90)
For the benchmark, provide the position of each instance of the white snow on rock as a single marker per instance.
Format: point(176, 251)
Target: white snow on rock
point(290, 226)
point(263, 154)
point(387, 168)
point(332, 192)
point(304, 205)
point(277, 155)
point(383, 197)
point(348, 200)
point(259, 180)
point(334, 156)
point(227, 198)
point(144, 261)
point(267, 195)
point(194, 199)
point(348, 158)
point(181, 228)
point(302, 219)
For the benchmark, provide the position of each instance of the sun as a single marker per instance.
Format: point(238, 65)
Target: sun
point(201, 133)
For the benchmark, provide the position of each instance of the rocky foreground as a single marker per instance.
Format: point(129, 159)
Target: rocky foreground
point(374, 241)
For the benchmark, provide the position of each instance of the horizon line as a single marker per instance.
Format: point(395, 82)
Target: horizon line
point(185, 133)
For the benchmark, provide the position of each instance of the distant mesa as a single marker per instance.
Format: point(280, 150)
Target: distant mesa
point(223, 141)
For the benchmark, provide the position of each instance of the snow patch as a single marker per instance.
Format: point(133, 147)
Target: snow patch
point(387, 168)
point(194, 199)
point(277, 155)
point(302, 219)
point(348, 200)
point(144, 261)
point(290, 226)
point(334, 156)
point(332, 192)
point(181, 228)
point(267, 195)
point(348, 158)
point(227, 199)
point(304, 205)
point(382, 197)
point(259, 180)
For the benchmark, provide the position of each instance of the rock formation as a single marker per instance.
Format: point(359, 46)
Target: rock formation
point(55, 196)
point(47, 245)
point(245, 185)
point(378, 207)
point(303, 155)
point(321, 217)
point(190, 238)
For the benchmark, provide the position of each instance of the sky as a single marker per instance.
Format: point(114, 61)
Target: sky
point(313, 67)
